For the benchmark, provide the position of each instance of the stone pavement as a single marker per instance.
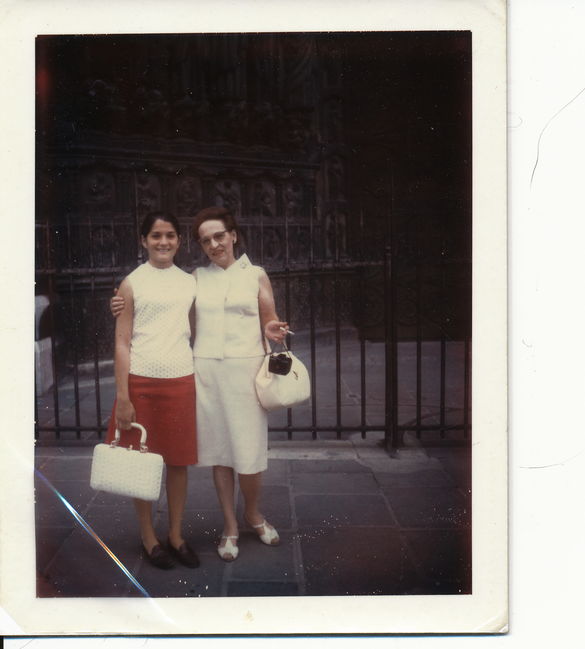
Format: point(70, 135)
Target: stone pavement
point(352, 520)
point(80, 404)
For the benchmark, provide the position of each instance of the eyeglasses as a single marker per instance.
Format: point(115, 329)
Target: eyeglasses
point(218, 237)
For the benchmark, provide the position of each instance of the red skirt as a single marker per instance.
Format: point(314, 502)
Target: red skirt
point(166, 408)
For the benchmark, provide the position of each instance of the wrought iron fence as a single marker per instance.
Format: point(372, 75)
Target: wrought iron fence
point(383, 323)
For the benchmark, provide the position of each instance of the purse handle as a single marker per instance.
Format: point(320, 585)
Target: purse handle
point(143, 447)
point(268, 347)
point(266, 343)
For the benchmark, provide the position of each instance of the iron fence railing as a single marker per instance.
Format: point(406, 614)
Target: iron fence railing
point(386, 335)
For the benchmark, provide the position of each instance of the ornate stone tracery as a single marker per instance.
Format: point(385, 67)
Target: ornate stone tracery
point(249, 121)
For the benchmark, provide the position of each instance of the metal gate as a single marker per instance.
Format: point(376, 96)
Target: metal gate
point(383, 324)
point(296, 133)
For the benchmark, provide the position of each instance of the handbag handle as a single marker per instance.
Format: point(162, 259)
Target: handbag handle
point(268, 347)
point(143, 447)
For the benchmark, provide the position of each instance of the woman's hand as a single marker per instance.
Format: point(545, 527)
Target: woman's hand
point(125, 414)
point(275, 330)
point(117, 304)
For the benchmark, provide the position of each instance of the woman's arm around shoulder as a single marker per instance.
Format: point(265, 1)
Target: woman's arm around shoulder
point(116, 303)
point(124, 323)
point(271, 325)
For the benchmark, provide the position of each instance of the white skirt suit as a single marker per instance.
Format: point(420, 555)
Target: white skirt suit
point(228, 351)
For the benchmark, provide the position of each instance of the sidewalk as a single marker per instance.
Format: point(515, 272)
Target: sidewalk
point(81, 405)
point(352, 521)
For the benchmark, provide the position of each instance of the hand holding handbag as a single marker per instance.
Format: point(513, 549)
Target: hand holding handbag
point(282, 381)
point(127, 472)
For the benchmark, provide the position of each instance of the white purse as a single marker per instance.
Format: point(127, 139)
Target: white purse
point(127, 472)
point(282, 390)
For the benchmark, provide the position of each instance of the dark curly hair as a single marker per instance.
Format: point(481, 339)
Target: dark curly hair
point(150, 219)
point(217, 214)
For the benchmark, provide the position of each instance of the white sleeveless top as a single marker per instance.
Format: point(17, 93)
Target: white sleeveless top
point(227, 316)
point(160, 347)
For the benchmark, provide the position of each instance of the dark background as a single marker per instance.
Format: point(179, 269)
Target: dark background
point(335, 150)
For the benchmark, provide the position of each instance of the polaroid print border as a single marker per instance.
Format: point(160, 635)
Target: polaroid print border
point(485, 610)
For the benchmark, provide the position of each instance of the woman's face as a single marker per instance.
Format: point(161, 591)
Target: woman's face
point(217, 242)
point(162, 243)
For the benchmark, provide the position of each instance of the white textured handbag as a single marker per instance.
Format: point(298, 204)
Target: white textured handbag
point(282, 390)
point(127, 472)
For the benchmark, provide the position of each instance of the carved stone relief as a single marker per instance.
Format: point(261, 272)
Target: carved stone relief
point(227, 194)
point(293, 200)
point(187, 196)
point(99, 189)
point(147, 194)
point(263, 201)
point(272, 245)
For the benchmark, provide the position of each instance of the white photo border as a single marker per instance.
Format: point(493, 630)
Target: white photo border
point(483, 611)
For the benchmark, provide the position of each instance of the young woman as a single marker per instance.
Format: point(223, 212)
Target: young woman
point(235, 309)
point(154, 378)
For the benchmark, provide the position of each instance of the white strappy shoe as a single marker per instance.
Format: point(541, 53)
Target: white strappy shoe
point(270, 535)
point(229, 551)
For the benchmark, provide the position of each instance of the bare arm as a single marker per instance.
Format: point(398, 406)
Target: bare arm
point(271, 325)
point(117, 303)
point(124, 409)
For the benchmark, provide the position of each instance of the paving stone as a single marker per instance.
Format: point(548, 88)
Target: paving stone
point(259, 560)
point(202, 529)
point(327, 466)
point(424, 489)
point(51, 512)
point(445, 557)
point(78, 493)
point(48, 542)
point(336, 511)
point(49, 508)
point(327, 416)
point(374, 392)
point(42, 461)
point(282, 436)
point(413, 478)
point(76, 468)
point(278, 418)
point(82, 569)
point(109, 518)
point(456, 462)
point(115, 501)
point(181, 581)
point(276, 474)
point(262, 589)
point(198, 473)
point(356, 561)
point(125, 543)
point(333, 483)
point(274, 504)
point(429, 507)
point(201, 492)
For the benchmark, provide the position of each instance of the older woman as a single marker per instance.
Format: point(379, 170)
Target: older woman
point(234, 310)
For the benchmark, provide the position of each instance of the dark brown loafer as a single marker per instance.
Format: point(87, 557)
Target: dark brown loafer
point(159, 557)
point(185, 554)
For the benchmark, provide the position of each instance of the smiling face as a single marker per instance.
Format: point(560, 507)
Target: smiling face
point(162, 243)
point(217, 242)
